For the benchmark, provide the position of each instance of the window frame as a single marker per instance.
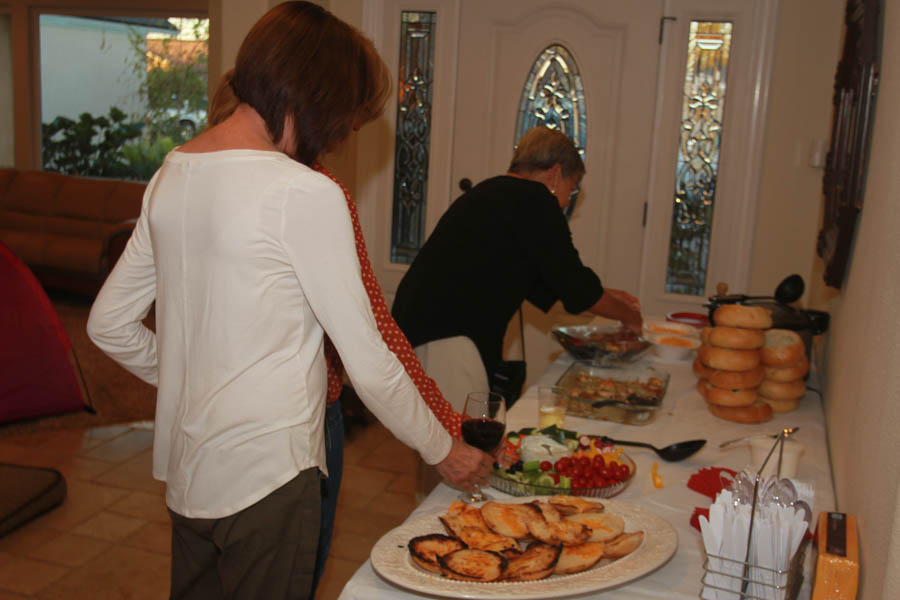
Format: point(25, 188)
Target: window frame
point(26, 59)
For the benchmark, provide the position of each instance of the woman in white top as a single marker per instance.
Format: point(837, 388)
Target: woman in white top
point(249, 255)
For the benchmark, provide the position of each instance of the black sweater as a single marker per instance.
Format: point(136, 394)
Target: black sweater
point(503, 242)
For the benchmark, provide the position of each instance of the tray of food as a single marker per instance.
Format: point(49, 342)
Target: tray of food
point(624, 395)
point(602, 345)
point(554, 461)
point(527, 548)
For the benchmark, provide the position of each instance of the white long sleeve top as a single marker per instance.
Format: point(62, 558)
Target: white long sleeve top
point(250, 258)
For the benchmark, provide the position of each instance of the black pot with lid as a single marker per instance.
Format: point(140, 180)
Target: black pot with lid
point(806, 322)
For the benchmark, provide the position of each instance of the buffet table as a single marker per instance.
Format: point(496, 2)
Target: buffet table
point(683, 416)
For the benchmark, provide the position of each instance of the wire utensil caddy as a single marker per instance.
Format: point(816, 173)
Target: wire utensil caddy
point(746, 576)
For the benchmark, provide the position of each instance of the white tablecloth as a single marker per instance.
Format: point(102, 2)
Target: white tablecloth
point(683, 416)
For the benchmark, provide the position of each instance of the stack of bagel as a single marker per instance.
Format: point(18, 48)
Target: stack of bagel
point(784, 356)
point(729, 363)
point(746, 369)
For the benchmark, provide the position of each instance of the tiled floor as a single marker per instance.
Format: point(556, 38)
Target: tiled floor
point(110, 539)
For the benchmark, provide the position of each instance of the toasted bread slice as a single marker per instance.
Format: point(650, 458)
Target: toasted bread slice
point(567, 533)
point(575, 559)
point(536, 562)
point(480, 538)
point(425, 549)
point(551, 515)
point(509, 519)
point(603, 526)
point(570, 505)
point(472, 565)
point(460, 514)
point(624, 544)
point(465, 522)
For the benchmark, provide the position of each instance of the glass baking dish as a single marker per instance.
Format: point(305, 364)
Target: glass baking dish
point(637, 392)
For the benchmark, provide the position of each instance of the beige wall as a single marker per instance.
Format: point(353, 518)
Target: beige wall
point(863, 379)
point(790, 196)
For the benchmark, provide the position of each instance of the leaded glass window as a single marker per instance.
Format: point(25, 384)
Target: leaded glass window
point(697, 167)
point(553, 96)
point(415, 90)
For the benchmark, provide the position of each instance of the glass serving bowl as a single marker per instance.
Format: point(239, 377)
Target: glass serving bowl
point(601, 345)
point(520, 488)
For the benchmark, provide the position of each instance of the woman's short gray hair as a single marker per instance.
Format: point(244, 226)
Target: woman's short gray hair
point(541, 148)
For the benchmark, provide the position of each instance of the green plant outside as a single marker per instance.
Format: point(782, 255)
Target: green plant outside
point(115, 146)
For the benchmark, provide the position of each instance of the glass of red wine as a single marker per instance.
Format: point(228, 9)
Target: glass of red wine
point(483, 426)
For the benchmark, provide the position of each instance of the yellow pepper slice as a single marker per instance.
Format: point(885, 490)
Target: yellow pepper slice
point(657, 480)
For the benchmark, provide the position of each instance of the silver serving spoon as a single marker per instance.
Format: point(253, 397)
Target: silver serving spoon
point(788, 431)
point(625, 405)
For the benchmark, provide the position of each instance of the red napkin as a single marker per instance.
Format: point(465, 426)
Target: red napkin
point(709, 481)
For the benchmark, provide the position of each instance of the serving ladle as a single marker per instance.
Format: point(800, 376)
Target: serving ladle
point(671, 453)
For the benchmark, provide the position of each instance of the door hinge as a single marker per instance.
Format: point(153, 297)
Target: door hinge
point(644, 218)
point(662, 25)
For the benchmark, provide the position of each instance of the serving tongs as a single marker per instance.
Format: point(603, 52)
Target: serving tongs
point(785, 432)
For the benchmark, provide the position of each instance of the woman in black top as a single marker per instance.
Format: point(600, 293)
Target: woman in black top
point(503, 242)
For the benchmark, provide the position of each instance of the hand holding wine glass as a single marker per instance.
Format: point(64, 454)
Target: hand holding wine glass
point(483, 426)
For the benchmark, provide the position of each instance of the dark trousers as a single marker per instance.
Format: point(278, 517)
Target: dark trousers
point(334, 460)
point(267, 550)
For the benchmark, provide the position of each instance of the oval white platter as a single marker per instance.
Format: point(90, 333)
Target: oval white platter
point(390, 559)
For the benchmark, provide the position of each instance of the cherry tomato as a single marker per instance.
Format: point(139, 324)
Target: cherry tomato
point(584, 461)
point(546, 465)
point(598, 461)
point(555, 477)
point(563, 463)
point(625, 470)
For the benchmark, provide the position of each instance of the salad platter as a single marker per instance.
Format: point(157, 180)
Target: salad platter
point(553, 461)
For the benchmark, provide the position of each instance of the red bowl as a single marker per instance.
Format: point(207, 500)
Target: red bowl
point(698, 320)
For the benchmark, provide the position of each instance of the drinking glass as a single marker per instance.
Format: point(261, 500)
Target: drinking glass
point(551, 407)
point(483, 426)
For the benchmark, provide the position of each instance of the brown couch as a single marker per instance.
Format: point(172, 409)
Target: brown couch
point(69, 230)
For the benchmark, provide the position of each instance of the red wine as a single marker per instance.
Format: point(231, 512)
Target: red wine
point(484, 434)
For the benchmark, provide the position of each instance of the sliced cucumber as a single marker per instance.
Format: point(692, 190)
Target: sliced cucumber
point(545, 480)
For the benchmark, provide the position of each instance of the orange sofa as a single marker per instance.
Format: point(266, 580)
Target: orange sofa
point(69, 230)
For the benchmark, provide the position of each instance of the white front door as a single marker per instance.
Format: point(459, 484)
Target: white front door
point(745, 71)
point(615, 46)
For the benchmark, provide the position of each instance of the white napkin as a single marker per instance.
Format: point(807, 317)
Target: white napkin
point(777, 534)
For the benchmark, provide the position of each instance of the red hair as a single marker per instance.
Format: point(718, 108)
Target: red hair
point(301, 61)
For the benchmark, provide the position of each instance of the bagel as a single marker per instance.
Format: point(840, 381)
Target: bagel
point(781, 406)
point(798, 370)
point(702, 386)
point(738, 315)
point(737, 380)
point(727, 359)
point(701, 370)
point(733, 337)
point(726, 397)
point(758, 412)
point(783, 347)
point(782, 390)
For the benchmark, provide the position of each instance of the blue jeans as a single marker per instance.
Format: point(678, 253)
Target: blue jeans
point(334, 460)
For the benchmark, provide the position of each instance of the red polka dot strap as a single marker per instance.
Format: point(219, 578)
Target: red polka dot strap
point(393, 337)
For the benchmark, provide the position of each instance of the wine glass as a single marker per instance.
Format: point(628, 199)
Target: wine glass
point(483, 426)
